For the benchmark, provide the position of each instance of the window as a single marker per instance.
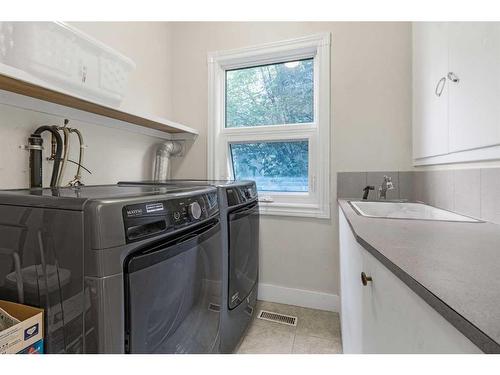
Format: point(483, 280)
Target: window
point(269, 120)
point(274, 166)
point(271, 94)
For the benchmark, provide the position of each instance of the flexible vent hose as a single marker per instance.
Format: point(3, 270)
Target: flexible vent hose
point(164, 152)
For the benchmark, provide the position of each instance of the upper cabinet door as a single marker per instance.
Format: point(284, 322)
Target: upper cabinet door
point(430, 89)
point(474, 58)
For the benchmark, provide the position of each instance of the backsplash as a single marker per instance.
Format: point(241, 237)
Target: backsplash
point(473, 192)
point(351, 184)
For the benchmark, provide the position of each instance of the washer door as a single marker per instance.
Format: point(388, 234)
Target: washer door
point(173, 294)
point(243, 252)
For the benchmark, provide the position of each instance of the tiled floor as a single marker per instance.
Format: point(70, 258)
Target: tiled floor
point(317, 332)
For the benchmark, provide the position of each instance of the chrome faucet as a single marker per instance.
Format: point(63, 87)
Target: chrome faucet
point(386, 185)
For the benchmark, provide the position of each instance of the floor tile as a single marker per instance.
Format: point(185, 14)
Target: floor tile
point(316, 332)
point(266, 339)
point(316, 345)
point(318, 323)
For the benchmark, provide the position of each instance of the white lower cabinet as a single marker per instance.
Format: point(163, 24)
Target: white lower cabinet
point(386, 316)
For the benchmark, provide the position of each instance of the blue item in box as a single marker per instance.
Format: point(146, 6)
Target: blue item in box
point(35, 348)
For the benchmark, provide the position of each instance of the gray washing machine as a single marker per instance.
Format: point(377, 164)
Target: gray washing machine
point(239, 212)
point(118, 269)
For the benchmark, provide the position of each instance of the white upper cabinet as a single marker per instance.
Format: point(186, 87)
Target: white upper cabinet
point(456, 118)
point(474, 57)
point(430, 89)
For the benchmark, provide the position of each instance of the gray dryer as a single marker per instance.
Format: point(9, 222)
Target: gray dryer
point(239, 214)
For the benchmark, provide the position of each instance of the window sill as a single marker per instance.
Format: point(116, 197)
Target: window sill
point(296, 210)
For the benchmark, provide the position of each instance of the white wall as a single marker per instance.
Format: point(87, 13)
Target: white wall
point(148, 44)
point(371, 117)
point(111, 154)
point(371, 93)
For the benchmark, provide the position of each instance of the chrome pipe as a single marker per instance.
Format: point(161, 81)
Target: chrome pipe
point(65, 131)
point(77, 181)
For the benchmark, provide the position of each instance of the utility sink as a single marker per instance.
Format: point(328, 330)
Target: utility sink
point(406, 210)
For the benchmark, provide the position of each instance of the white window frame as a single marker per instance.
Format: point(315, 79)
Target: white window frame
point(316, 202)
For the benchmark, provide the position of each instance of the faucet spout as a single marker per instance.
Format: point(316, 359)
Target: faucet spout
point(386, 185)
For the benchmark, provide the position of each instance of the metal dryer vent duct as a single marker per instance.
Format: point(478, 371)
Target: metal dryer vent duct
point(164, 151)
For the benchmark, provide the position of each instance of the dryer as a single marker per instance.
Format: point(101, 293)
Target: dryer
point(239, 215)
point(118, 269)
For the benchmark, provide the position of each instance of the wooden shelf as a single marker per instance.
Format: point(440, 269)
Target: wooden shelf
point(19, 82)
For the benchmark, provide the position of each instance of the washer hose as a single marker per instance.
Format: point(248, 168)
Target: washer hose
point(65, 156)
point(77, 180)
point(36, 143)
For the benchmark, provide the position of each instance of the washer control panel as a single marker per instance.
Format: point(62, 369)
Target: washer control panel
point(195, 211)
point(148, 219)
point(241, 194)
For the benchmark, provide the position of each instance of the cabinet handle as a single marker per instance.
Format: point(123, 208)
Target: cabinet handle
point(440, 86)
point(453, 77)
point(365, 279)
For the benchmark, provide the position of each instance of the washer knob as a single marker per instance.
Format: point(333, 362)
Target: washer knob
point(248, 193)
point(195, 210)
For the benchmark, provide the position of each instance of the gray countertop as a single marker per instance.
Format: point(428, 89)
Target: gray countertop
point(453, 266)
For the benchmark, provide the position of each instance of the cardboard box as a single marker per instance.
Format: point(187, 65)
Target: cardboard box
point(23, 337)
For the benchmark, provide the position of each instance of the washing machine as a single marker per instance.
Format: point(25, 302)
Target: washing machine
point(117, 269)
point(239, 215)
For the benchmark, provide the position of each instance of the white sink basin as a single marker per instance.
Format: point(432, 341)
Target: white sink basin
point(405, 210)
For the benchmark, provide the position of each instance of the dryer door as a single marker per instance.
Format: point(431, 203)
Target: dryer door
point(173, 294)
point(243, 252)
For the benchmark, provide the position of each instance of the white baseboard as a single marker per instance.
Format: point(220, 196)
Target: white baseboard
point(299, 297)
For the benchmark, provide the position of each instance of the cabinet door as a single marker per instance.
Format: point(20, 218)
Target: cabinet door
point(387, 328)
point(396, 320)
point(351, 264)
point(430, 89)
point(474, 56)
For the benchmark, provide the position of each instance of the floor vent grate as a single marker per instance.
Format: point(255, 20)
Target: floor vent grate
point(278, 318)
